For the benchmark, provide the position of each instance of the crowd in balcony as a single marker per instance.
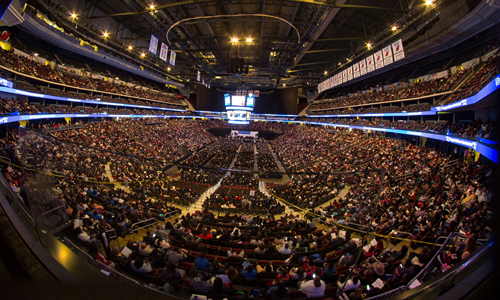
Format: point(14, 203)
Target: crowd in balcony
point(31, 66)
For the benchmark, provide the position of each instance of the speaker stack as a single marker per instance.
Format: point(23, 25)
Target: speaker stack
point(237, 66)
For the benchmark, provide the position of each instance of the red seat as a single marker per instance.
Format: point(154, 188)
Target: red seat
point(263, 262)
point(339, 253)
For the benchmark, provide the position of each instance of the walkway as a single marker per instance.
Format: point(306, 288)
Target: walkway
point(198, 205)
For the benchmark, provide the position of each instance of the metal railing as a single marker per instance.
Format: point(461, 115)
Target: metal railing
point(59, 211)
point(142, 224)
point(79, 252)
point(112, 273)
point(115, 235)
point(62, 128)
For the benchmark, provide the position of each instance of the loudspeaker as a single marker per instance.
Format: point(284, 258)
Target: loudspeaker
point(232, 65)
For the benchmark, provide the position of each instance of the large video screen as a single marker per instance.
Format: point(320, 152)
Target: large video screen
point(227, 99)
point(238, 100)
point(250, 101)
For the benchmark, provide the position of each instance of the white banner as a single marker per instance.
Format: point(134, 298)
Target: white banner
point(387, 55)
point(341, 77)
point(344, 76)
point(172, 57)
point(355, 69)
point(397, 49)
point(153, 44)
point(163, 51)
point(349, 73)
point(379, 60)
point(362, 67)
point(370, 64)
point(198, 76)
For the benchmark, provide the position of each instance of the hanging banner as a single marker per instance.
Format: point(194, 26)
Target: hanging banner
point(362, 67)
point(349, 73)
point(163, 51)
point(387, 55)
point(379, 60)
point(198, 76)
point(370, 64)
point(172, 57)
point(397, 49)
point(153, 44)
point(355, 69)
point(344, 76)
point(341, 77)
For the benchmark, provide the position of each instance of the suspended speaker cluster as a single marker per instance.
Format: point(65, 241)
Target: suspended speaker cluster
point(237, 66)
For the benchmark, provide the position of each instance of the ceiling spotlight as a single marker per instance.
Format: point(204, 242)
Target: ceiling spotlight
point(284, 84)
point(326, 72)
point(36, 54)
point(168, 69)
point(152, 7)
point(428, 2)
point(73, 15)
point(218, 77)
point(105, 34)
point(368, 45)
point(394, 28)
point(249, 40)
point(130, 47)
point(143, 54)
point(234, 40)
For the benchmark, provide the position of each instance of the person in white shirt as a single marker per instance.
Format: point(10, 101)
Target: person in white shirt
point(145, 250)
point(285, 249)
point(313, 288)
point(351, 284)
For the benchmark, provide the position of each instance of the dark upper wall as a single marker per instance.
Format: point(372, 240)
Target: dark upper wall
point(281, 101)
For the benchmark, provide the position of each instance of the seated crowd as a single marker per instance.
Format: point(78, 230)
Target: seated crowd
point(423, 193)
point(32, 67)
point(482, 76)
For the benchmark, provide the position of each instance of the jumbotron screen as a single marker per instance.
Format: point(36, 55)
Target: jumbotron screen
point(239, 100)
point(239, 108)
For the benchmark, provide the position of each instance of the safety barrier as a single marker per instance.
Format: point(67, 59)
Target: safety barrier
point(142, 224)
point(79, 252)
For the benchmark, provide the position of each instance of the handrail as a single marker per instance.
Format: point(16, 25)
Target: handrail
point(147, 221)
point(113, 236)
point(20, 203)
point(79, 252)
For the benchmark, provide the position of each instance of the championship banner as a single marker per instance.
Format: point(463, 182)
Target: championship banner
point(349, 73)
point(153, 44)
point(362, 67)
point(379, 60)
point(172, 57)
point(355, 69)
point(344, 76)
point(198, 76)
point(370, 64)
point(341, 77)
point(397, 49)
point(332, 82)
point(387, 55)
point(163, 52)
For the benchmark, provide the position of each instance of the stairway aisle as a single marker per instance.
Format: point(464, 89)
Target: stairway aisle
point(255, 162)
point(198, 205)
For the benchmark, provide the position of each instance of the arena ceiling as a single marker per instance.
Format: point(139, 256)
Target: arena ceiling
point(291, 42)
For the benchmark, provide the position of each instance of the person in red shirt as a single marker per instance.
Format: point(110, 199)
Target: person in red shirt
point(205, 234)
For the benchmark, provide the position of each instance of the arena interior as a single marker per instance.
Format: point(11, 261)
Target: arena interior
point(279, 149)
